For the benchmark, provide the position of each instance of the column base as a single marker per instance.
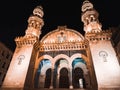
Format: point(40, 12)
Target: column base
point(71, 87)
point(51, 87)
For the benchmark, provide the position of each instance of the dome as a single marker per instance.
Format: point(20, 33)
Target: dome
point(62, 34)
point(38, 11)
point(87, 5)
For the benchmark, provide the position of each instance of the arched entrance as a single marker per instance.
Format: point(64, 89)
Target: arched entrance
point(78, 78)
point(79, 71)
point(64, 79)
point(61, 79)
point(43, 74)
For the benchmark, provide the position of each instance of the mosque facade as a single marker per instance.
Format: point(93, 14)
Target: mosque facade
point(64, 58)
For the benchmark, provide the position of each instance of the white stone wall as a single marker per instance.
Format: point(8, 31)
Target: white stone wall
point(107, 68)
point(17, 71)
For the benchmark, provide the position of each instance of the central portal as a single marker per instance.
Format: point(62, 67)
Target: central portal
point(64, 79)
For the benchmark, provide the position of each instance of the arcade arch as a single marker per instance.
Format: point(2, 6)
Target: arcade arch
point(63, 67)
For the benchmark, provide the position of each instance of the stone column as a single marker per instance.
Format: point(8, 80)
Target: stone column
point(70, 79)
point(57, 81)
point(52, 75)
point(41, 81)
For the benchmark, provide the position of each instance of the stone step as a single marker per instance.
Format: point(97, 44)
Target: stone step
point(40, 89)
point(57, 89)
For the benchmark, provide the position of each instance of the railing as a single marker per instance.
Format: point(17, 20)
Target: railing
point(63, 46)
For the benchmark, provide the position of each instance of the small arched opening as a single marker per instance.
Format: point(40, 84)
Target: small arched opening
point(78, 73)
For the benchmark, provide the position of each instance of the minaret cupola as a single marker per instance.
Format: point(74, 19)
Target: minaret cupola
point(90, 17)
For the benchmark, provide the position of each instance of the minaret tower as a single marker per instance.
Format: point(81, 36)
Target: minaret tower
point(107, 68)
point(90, 18)
point(35, 22)
point(25, 52)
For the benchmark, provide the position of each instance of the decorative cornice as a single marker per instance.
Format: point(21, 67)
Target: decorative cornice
point(98, 36)
point(26, 40)
point(77, 45)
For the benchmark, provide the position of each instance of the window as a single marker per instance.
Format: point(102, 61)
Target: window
point(3, 53)
point(3, 66)
point(7, 56)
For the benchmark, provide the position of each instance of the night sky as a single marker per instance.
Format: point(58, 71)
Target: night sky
point(14, 15)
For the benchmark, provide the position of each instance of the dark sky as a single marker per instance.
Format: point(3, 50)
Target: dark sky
point(14, 15)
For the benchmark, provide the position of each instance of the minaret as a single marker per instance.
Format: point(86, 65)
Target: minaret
point(25, 52)
point(90, 18)
point(106, 65)
point(35, 22)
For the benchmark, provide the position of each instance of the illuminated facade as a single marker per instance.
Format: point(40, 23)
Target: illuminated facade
point(64, 58)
